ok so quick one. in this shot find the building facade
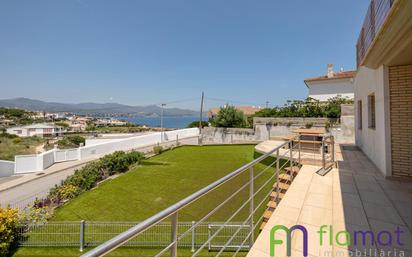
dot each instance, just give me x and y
(383, 87)
(40, 130)
(333, 84)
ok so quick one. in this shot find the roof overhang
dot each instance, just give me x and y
(393, 44)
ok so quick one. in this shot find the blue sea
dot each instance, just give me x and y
(168, 121)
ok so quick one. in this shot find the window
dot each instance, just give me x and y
(360, 114)
(371, 111)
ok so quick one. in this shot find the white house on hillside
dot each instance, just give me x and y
(331, 85)
(40, 130)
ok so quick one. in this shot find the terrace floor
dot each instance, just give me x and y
(353, 197)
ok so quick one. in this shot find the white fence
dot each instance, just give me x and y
(6, 168)
(38, 162)
(136, 142)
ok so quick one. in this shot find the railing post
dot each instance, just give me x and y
(277, 176)
(333, 148)
(373, 19)
(323, 154)
(193, 236)
(173, 250)
(291, 157)
(82, 230)
(251, 205)
(209, 234)
(299, 151)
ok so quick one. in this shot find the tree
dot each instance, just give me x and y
(229, 117)
(195, 124)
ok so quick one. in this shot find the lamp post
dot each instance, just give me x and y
(161, 123)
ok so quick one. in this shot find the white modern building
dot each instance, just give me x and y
(383, 87)
(40, 130)
(331, 85)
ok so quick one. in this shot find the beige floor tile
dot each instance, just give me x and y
(368, 186)
(287, 212)
(408, 222)
(385, 214)
(344, 178)
(375, 197)
(399, 196)
(347, 200)
(346, 188)
(293, 199)
(315, 216)
(257, 253)
(275, 219)
(322, 180)
(352, 215)
(302, 188)
(404, 208)
(320, 189)
(319, 200)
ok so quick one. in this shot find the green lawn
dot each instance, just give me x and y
(160, 182)
(9, 147)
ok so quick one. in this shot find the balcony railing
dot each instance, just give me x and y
(256, 186)
(375, 17)
(251, 207)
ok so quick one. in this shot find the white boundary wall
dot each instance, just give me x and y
(6, 168)
(38, 162)
(136, 142)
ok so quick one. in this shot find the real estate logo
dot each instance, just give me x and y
(274, 241)
(367, 240)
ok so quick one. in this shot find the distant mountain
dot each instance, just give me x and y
(93, 108)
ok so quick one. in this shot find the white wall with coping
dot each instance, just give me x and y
(40, 162)
(374, 142)
(136, 142)
(326, 89)
(6, 168)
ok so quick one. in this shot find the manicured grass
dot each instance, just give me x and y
(155, 185)
(10, 147)
(121, 252)
(162, 181)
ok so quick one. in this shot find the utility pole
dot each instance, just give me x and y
(161, 124)
(200, 121)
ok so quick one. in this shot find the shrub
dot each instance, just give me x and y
(34, 215)
(289, 123)
(71, 142)
(157, 149)
(8, 228)
(76, 140)
(195, 124)
(7, 135)
(229, 117)
(89, 175)
(17, 141)
(309, 125)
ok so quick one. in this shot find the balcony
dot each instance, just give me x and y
(375, 17)
(386, 34)
(352, 197)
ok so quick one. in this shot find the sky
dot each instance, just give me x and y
(141, 52)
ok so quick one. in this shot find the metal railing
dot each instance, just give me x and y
(376, 15)
(273, 165)
(84, 234)
(328, 154)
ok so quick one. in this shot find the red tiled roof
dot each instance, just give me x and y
(336, 75)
